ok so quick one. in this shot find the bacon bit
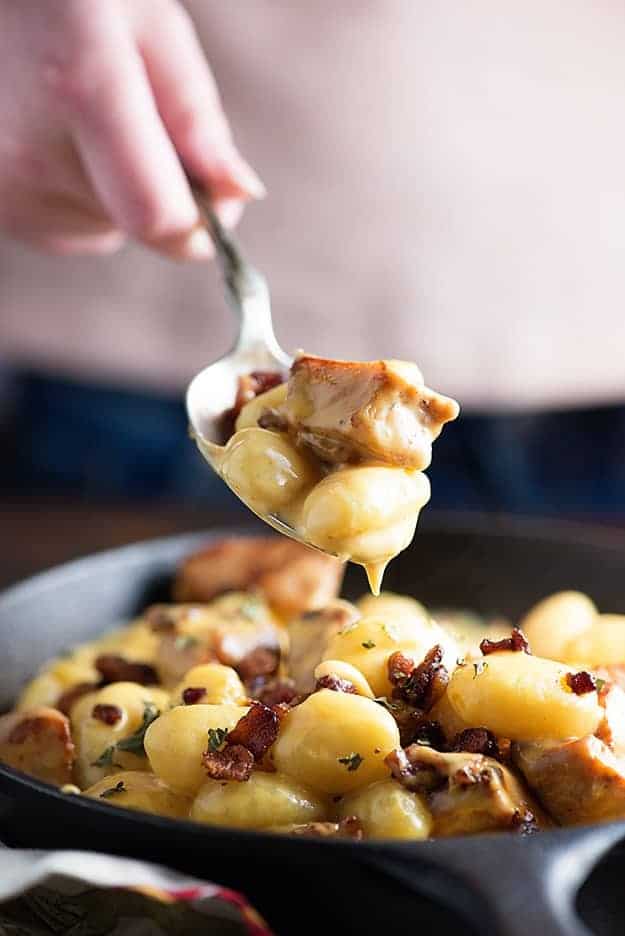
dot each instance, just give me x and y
(109, 714)
(249, 386)
(113, 668)
(580, 683)
(235, 762)
(256, 731)
(67, 699)
(350, 827)
(263, 661)
(335, 684)
(422, 685)
(192, 694)
(278, 692)
(477, 741)
(430, 733)
(524, 823)
(402, 769)
(160, 619)
(517, 642)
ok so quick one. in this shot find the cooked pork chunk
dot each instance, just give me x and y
(37, 741)
(292, 577)
(346, 411)
(577, 781)
(309, 636)
(467, 793)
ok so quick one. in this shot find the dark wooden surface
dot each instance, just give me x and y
(35, 535)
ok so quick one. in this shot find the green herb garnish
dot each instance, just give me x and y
(478, 668)
(216, 737)
(599, 683)
(133, 744)
(114, 790)
(368, 644)
(106, 758)
(352, 761)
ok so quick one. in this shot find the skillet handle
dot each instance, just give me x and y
(502, 883)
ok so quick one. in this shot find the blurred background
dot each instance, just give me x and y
(445, 184)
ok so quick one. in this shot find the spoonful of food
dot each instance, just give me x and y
(334, 455)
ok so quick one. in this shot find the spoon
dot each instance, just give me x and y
(213, 390)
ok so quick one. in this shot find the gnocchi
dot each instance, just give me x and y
(375, 720)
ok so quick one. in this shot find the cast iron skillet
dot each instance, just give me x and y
(498, 883)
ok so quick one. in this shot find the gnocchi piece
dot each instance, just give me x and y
(265, 800)
(342, 670)
(265, 470)
(392, 607)
(46, 688)
(522, 697)
(252, 411)
(368, 643)
(386, 810)
(176, 741)
(335, 742)
(136, 789)
(557, 621)
(601, 644)
(114, 715)
(368, 513)
(221, 685)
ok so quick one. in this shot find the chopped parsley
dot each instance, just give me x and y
(216, 737)
(114, 790)
(133, 744)
(368, 644)
(478, 668)
(461, 661)
(352, 761)
(252, 609)
(106, 758)
(599, 683)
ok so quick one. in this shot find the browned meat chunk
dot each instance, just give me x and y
(346, 411)
(38, 742)
(577, 781)
(249, 386)
(308, 637)
(292, 577)
(467, 793)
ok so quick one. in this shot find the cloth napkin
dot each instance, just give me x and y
(75, 893)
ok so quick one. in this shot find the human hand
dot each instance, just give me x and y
(102, 104)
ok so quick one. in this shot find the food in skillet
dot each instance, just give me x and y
(336, 454)
(287, 709)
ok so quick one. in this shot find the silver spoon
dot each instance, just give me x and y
(213, 390)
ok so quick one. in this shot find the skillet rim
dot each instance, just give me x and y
(469, 522)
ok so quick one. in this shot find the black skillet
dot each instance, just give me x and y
(485, 884)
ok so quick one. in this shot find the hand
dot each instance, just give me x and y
(102, 103)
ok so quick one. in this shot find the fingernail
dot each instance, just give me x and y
(199, 246)
(246, 177)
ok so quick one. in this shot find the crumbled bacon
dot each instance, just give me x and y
(249, 386)
(524, 822)
(477, 741)
(581, 683)
(192, 694)
(113, 668)
(261, 662)
(256, 731)
(160, 619)
(336, 684)
(517, 642)
(66, 700)
(422, 685)
(350, 827)
(234, 762)
(402, 769)
(277, 692)
(430, 733)
(108, 714)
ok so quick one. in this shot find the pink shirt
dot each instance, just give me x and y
(446, 184)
